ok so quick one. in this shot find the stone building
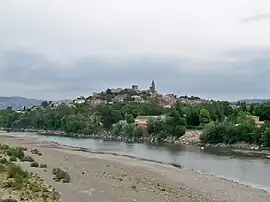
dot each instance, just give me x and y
(135, 87)
(153, 87)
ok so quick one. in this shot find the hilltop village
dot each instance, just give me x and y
(133, 94)
(132, 114)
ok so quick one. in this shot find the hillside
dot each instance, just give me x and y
(249, 101)
(17, 102)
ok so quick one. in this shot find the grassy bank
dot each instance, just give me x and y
(16, 184)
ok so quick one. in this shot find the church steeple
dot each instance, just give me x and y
(153, 87)
(153, 83)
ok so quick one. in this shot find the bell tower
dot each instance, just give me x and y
(153, 87)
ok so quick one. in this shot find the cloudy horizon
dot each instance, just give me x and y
(63, 49)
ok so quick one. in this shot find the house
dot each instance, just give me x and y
(135, 88)
(257, 120)
(137, 98)
(142, 121)
(170, 96)
(191, 102)
(119, 98)
(116, 90)
(96, 101)
(169, 99)
(79, 100)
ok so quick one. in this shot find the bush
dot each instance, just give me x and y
(43, 166)
(22, 148)
(228, 133)
(3, 161)
(15, 171)
(4, 146)
(2, 168)
(35, 151)
(266, 137)
(217, 133)
(8, 200)
(34, 164)
(28, 158)
(61, 175)
(138, 132)
(15, 152)
(13, 158)
(180, 130)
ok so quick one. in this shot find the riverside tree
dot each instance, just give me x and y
(221, 122)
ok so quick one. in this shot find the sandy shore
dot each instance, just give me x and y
(108, 178)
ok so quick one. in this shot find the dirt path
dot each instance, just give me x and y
(108, 178)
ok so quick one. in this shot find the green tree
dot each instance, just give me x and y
(266, 137)
(118, 129)
(74, 123)
(138, 132)
(204, 116)
(155, 126)
(108, 116)
(128, 130)
(129, 118)
(214, 133)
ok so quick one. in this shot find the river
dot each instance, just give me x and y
(251, 171)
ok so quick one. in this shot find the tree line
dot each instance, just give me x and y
(241, 126)
(221, 121)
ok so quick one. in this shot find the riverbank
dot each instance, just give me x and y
(103, 177)
(191, 137)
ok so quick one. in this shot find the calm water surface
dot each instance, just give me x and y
(251, 171)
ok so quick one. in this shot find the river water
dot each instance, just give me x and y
(246, 170)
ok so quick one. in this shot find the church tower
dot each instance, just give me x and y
(153, 87)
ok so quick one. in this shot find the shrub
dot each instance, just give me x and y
(266, 137)
(43, 166)
(35, 151)
(28, 158)
(61, 175)
(217, 133)
(134, 187)
(22, 148)
(15, 152)
(180, 130)
(3, 161)
(15, 171)
(2, 168)
(13, 158)
(55, 170)
(8, 200)
(4, 146)
(34, 164)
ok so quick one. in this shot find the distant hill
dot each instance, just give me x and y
(253, 100)
(18, 102)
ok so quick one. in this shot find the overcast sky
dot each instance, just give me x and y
(63, 49)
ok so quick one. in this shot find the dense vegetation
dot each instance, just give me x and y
(222, 122)
(241, 126)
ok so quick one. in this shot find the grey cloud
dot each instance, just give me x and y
(257, 17)
(222, 79)
(21, 66)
